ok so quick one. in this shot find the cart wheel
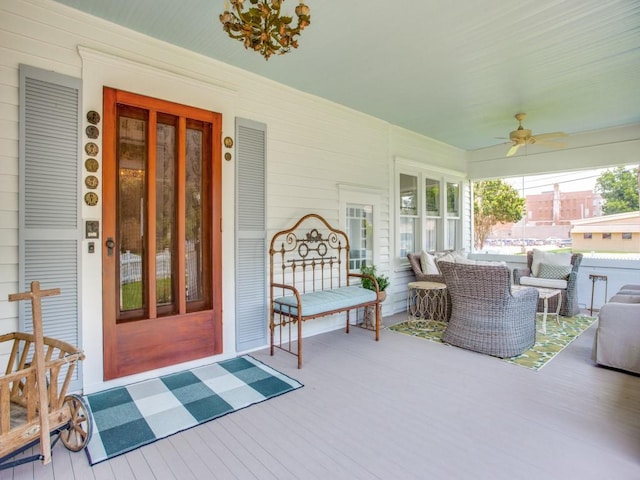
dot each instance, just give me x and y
(79, 429)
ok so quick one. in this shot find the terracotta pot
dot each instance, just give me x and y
(382, 296)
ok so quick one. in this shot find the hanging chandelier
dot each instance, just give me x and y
(261, 27)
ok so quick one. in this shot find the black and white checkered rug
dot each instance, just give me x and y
(125, 418)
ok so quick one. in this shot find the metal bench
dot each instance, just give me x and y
(310, 278)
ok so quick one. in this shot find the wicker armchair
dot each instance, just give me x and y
(486, 316)
(414, 261)
(569, 305)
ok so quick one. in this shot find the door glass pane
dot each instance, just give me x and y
(132, 152)
(360, 233)
(432, 197)
(194, 216)
(165, 210)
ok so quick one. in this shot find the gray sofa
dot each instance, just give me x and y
(617, 341)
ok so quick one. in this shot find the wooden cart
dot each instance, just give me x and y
(28, 414)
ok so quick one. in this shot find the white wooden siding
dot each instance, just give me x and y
(313, 145)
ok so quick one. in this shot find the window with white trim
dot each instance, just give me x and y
(429, 206)
(360, 208)
(360, 234)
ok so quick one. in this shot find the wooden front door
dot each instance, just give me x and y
(161, 233)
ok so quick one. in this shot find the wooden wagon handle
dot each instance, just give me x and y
(36, 308)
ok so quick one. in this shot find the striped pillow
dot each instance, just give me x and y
(559, 272)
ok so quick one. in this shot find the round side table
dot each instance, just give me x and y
(427, 301)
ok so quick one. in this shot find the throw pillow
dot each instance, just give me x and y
(453, 256)
(428, 264)
(540, 256)
(487, 263)
(559, 272)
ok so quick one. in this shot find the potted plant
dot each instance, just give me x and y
(383, 280)
(383, 283)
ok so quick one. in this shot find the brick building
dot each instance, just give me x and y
(560, 208)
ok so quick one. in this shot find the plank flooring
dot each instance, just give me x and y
(402, 408)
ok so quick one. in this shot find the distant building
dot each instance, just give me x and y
(560, 208)
(549, 214)
(609, 233)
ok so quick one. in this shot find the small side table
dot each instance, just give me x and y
(594, 277)
(427, 300)
(545, 294)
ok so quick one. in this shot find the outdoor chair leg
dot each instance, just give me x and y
(299, 343)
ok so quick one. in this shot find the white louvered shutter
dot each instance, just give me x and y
(49, 206)
(251, 248)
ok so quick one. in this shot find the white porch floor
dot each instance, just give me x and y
(402, 408)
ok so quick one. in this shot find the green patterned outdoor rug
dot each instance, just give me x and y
(546, 347)
(129, 417)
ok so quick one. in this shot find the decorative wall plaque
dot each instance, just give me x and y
(91, 181)
(92, 131)
(93, 117)
(91, 148)
(228, 142)
(91, 198)
(91, 164)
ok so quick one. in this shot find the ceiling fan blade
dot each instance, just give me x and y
(512, 151)
(543, 136)
(548, 143)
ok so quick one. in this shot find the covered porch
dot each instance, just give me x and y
(402, 408)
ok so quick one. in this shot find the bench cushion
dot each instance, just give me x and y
(314, 303)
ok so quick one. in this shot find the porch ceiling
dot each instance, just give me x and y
(454, 71)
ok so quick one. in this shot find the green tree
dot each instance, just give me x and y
(494, 202)
(619, 190)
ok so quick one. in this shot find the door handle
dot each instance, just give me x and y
(110, 244)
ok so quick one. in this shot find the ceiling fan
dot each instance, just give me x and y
(522, 136)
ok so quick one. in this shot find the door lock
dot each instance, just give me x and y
(110, 244)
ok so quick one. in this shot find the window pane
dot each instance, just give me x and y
(132, 158)
(430, 234)
(165, 212)
(564, 208)
(453, 199)
(407, 236)
(408, 194)
(452, 234)
(432, 197)
(360, 233)
(194, 216)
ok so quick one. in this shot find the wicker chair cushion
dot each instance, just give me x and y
(317, 302)
(543, 282)
(468, 261)
(559, 272)
(454, 256)
(540, 256)
(428, 264)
